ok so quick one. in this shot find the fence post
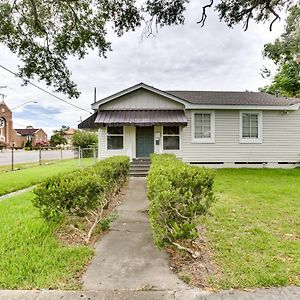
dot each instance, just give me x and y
(61, 153)
(40, 156)
(95, 155)
(12, 156)
(79, 156)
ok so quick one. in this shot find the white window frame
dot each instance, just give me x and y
(257, 140)
(212, 138)
(123, 135)
(179, 135)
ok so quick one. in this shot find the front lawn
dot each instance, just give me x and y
(30, 255)
(16, 180)
(254, 228)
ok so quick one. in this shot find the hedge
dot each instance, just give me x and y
(75, 193)
(179, 194)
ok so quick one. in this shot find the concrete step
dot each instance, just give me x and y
(133, 166)
(138, 173)
(139, 167)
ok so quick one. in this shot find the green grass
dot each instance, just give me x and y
(13, 181)
(30, 256)
(17, 167)
(254, 228)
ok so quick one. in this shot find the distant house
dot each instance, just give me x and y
(68, 136)
(31, 135)
(200, 127)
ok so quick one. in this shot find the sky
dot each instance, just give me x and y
(185, 57)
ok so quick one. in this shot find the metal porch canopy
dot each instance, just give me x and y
(141, 118)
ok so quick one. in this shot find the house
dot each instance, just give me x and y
(69, 135)
(6, 125)
(205, 128)
(28, 136)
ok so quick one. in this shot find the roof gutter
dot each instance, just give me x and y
(293, 107)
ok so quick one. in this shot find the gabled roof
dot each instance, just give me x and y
(135, 88)
(214, 99)
(27, 131)
(233, 98)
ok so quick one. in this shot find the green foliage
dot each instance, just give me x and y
(31, 255)
(2, 145)
(58, 138)
(234, 12)
(285, 53)
(28, 145)
(78, 192)
(178, 195)
(43, 34)
(84, 139)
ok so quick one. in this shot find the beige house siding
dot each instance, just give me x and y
(281, 139)
(128, 143)
(141, 99)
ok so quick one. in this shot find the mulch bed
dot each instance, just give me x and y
(194, 271)
(70, 232)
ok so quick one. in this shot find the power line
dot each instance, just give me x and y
(45, 91)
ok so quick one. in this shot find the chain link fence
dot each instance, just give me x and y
(14, 159)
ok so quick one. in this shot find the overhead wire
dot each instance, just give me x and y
(45, 91)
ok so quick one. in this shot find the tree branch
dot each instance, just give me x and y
(204, 15)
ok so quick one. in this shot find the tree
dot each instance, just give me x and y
(285, 53)
(44, 33)
(84, 139)
(58, 138)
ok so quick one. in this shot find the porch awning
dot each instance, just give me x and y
(141, 118)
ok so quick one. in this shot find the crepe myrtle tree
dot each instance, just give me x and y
(44, 33)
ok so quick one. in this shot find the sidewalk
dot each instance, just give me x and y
(126, 257)
(18, 192)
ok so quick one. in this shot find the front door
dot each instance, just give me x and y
(144, 141)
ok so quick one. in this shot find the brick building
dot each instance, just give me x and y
(6, 125)
(29, 134)
(19, 137)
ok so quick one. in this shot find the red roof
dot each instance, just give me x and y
(70, 131)
(26, 131)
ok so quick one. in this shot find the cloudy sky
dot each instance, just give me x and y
(184, 57)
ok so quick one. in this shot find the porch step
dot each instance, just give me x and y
(139, 167)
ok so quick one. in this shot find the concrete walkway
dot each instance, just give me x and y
(126, 257)
(127, 266)
(18, 192)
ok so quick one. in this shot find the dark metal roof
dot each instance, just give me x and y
(26, 131)
(141, 117)
(233, 98)
(89, 123)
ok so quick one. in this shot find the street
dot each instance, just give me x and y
(21, 156)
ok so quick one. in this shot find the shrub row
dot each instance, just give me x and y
(178, 195)
(75, 193)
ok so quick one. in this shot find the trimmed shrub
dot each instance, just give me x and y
(179, 194)
(75, 193)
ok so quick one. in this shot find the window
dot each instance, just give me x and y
(250, 127)
(203, 127)
(115, 138)
(171, 138)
